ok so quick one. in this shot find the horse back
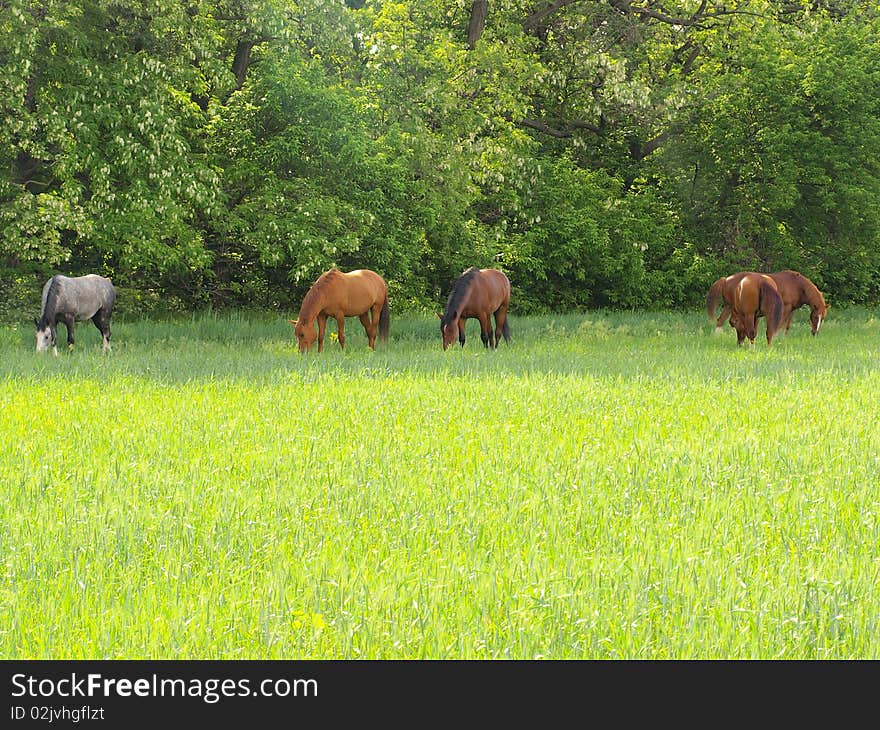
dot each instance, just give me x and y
(790, 285)
(748, 290)
(81, 296)
(496, 286)
(730, 283)
(796, 290)
(359, 290)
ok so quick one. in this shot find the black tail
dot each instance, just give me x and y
(772, 306)
(384, 321)
(505, 330)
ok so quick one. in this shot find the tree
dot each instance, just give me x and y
(106, 168)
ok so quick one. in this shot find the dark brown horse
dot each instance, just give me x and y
(361, 293)
(478, 294)
(752, 296)
(794, 288)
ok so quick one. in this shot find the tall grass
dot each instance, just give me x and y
(609, 485)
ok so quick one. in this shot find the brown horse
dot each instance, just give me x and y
(794, 288)
(797, 290)
(755, 295)
(336, 294)
(478, 294)
(722, 291)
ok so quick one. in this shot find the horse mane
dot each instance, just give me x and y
(813, 294)
(457, 295)
(314, 294)
(50, 304)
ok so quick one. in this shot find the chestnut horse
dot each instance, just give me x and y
(794, 288)
(752, 296)
(478, 294)
(336, 294)
(797, 290)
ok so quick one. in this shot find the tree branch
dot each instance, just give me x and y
(531, 21)
(626, 7)
(546, 129)
(564, 133)
(640, 151)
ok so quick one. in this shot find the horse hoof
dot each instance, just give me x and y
(718, 330)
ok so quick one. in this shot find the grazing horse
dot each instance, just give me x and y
(361, 293)
(797, 290)
(722, 291)
(478, 294)
(794, 288)
(754, 295)
(74, 299)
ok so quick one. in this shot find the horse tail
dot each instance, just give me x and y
(772, 306)
(713, 297)
(384, 320)
(505, 330)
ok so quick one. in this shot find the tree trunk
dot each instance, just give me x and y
(241, 62)
(479, 10)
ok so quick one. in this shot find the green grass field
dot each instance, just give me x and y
(610, 485)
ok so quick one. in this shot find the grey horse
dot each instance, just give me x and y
(68, 299)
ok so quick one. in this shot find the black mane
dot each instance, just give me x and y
(459, 289)
(51, 304)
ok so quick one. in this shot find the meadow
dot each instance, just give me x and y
(610, 485)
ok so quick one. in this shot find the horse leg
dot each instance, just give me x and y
(786, 318)
(376, 314)
(70, 323)
(500, 319)
(485, 330)
(369, 328)
(725, 313)
(322, 326)
(461, 323)
(340, 330)
(102, 322)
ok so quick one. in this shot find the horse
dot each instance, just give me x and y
(794, 288)
(478, 294)
(797, 290)
(72, 299)
(361, 293)
(722, 291)
(755, 295)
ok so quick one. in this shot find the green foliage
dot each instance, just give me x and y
(775, 168)
(310, 188)
(605, 154)
(104, 155)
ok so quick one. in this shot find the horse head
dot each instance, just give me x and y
(46, 334)
(305, 335)
(448, 330)
(817, 315)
